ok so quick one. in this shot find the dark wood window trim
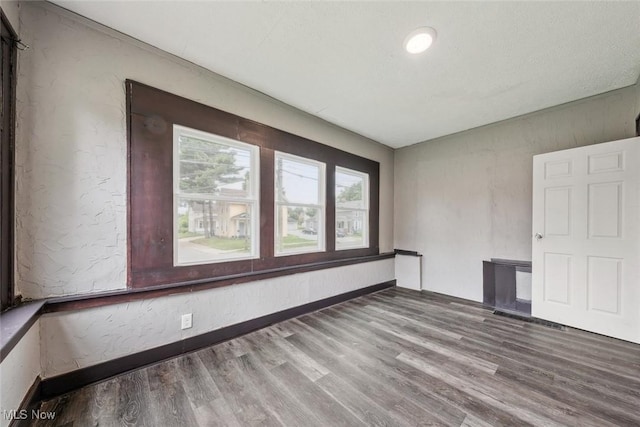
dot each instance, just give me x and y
(8, 53)
(151, 114)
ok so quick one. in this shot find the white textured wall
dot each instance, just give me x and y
(71, 146)
(466, 198)
(408, 272)
(11, 10)
(72, 340)
(18, 371)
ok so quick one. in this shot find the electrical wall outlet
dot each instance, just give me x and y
(187, 321)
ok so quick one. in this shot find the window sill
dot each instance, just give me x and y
(76, 302)
(15, 323)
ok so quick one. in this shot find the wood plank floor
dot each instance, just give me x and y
(394, 358)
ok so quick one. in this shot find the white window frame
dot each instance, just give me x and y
(364, 210)
(252, 199)
(278, 204)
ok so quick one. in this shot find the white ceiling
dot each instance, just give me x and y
(344, 62)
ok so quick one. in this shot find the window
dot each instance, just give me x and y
(7, 136)
(215, 198)
(352, 209)
(300, 204)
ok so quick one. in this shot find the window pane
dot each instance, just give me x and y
(297, 229)
(209, 167)
(297, 181)
(350, 189)
(351, 228)
(212, 230)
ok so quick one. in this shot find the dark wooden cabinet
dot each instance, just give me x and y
(500, 286)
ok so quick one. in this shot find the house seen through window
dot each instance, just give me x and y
(215, 198)
(300, 204)
(352, 209)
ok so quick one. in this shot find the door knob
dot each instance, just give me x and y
(538, 236)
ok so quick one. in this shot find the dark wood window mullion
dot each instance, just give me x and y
(330, 205)
(267, 203)
(374, 209)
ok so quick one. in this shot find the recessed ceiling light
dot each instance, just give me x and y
(419, 40)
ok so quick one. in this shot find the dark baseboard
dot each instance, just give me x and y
(30, 401)
(61, 384)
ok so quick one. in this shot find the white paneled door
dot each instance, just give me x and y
(586, 238)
